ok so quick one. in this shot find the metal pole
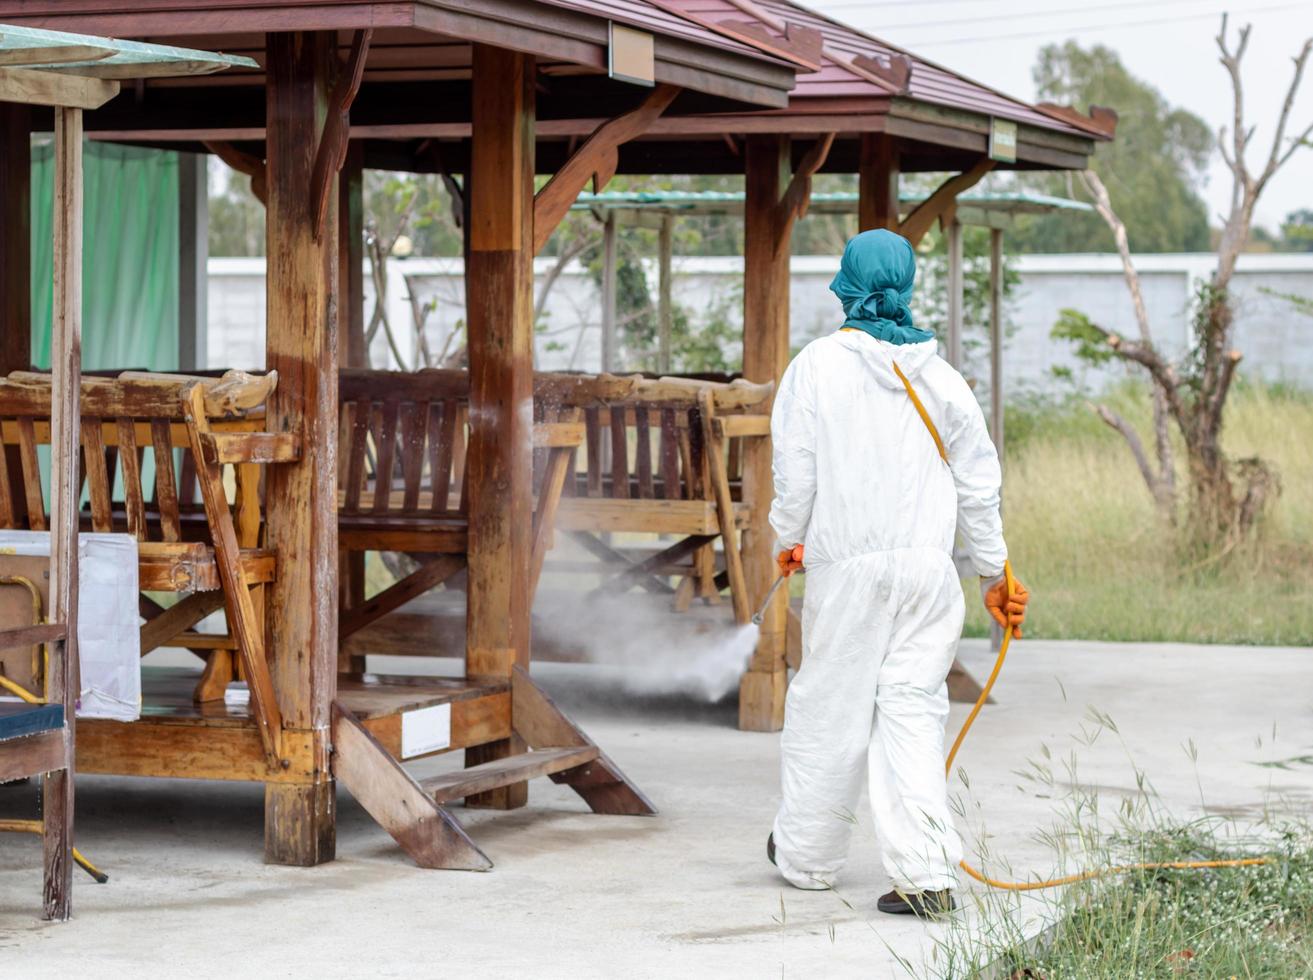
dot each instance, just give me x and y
(665, 312)
(996, 368)
(193, 253)
(955, 294)
(608, 293)
(996, 337)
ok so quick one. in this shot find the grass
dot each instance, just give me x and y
(1100, 565)
(1228, 922)
(1251, 922)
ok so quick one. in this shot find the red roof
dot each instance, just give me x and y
(660, 19)
(839, 77)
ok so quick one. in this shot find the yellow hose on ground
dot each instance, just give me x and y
(1029, 886)
(35, 827)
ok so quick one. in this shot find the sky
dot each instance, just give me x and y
(1168, 43)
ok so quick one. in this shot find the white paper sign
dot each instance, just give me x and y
(425, 730)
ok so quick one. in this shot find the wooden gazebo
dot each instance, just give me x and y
(492, 67)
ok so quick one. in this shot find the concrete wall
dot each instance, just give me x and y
(1273, 336)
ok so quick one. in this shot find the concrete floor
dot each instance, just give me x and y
(685, 894)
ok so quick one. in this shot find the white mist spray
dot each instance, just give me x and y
(656, 650)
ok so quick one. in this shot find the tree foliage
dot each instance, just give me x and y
(1151, 169)
(236, 217)
(1297, 231)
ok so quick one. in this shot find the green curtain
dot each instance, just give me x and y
(129, 256)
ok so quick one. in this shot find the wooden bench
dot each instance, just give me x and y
(663, 457)
(209, 552)
(402, 483)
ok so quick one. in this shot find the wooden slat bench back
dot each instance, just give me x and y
(208, 549)
(663, 456)
(402, 484)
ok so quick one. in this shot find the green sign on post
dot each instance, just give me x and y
(1002, 140)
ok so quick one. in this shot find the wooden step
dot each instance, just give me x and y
(503, 772)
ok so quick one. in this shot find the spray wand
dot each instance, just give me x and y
(759, 616)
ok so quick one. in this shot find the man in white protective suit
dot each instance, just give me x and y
(881, 456)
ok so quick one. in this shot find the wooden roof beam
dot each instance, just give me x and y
(797, 196)
(802, 45)
(938, 204)
(597, 160)
(34, 87)
(331, 152)
(895, 73)
(1101, 121)
(243, 163)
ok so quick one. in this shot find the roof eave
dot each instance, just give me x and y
(582, 39)
(559, 33)
(1036, 145)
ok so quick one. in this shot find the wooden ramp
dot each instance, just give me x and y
(415, 812)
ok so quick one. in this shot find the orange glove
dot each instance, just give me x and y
(1007, 609)
(789, 560)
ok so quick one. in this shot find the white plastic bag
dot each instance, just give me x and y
(109, 626)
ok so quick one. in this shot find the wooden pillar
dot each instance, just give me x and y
(300, 497)
(877, 182)
(956, 298)
(193, 259)
(608, 293)
(665, 308)
(66, 369)
(15, 262)
(765, 356)
(499, 314)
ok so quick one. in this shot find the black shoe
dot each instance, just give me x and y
(770, 847)
(924, 905)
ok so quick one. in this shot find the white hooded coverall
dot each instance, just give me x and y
(859, 482)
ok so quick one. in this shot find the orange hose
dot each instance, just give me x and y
(1028, 886)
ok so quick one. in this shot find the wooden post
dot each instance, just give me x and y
(608, 293)
(300, 497)
(953, 342)
(765, 356)
(499, 314)
(193, 255)
(66, 370)
(665, 309)
(877, 182)
(15, 262)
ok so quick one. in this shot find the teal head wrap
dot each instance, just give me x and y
(874, 284)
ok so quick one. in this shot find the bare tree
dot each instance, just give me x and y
(1227, 495)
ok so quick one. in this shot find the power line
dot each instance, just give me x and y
(1060, 12)
(1115, 25)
